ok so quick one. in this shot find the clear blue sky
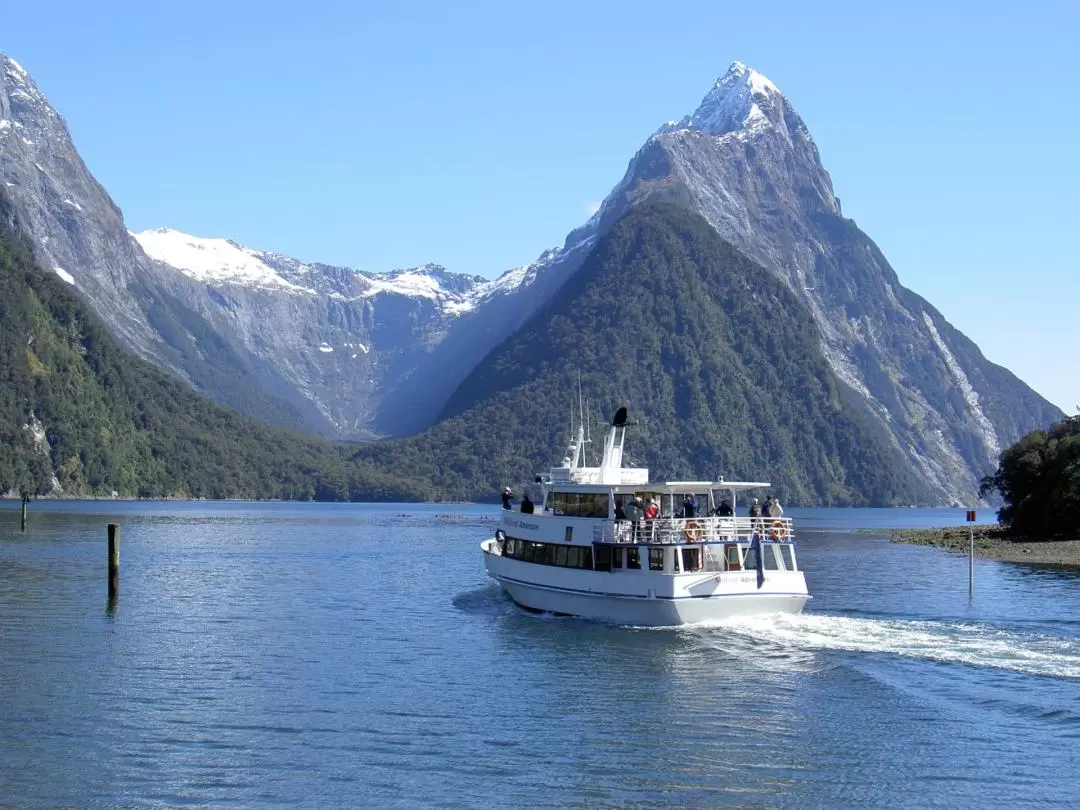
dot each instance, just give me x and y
(476, 135)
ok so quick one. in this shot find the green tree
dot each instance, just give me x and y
(1039, 481)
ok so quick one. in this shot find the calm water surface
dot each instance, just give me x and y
(284, 655)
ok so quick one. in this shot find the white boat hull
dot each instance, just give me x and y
(588, 594)
(657, 612)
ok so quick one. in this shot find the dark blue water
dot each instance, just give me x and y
(350, 655)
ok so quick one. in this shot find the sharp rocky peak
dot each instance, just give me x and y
(16, 84)
(741, 101)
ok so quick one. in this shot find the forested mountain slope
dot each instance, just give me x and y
(79, 416)
(719, 361)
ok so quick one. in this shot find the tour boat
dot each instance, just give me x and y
(573, 556)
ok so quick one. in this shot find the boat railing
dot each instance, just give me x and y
(681, 531)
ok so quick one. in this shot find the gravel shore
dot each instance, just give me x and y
(993, 543)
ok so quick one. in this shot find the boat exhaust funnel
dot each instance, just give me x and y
(611, 465)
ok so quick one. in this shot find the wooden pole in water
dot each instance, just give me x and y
(25, 501)
(114, 561)
(971, 552)
(971, 562)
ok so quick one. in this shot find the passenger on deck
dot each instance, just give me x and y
(766, 508)
(756, 524)
(652, 511)
(724, 509)
(506, 496)
(777, 510)
(689, 506)
(620, 513)
(526, 504)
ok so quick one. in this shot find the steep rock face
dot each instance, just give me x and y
(745, 161)
(78, 233)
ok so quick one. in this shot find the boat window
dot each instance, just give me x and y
(633, 558)
(770, 559)
(787, 554)
(603, 557)
(549, 553)
(580, 504)
(616, 557)
(656, 559)
(691, 559)
(750, 560)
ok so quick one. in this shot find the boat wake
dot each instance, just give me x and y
(974, 644)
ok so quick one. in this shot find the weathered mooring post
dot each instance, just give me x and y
(971, 553)
(114, 561)
(25, 501)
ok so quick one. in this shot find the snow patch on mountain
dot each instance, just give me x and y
(19, 69)
(986, 427)
(212, 260)
(412, 283)
(65, 275)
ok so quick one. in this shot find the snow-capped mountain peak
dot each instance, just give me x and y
(742, 101)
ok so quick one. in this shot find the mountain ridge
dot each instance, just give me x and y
(348, 364)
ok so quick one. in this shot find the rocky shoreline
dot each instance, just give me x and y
(994, 543)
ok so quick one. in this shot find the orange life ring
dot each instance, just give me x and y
(778, 530)
(693, 531)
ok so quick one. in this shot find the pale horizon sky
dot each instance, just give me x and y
(478, 135)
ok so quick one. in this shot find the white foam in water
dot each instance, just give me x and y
(973, 644)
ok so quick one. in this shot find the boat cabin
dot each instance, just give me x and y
(612, 518)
